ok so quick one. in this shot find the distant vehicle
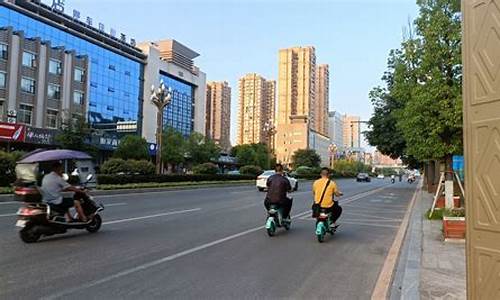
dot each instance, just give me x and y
(262, 180)
(363, 177)
(235, 172)
(380, 176)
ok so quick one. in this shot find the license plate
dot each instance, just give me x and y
(21, 223)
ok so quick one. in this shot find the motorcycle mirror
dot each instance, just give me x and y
(89, 177)
(65, 177)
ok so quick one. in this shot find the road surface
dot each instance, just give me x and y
(208, 244)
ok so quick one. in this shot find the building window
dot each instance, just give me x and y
(54, 91)
(55, 67)
(3, 80)
(24, 114)
(28, 85)
(51, 119)
(79, 75)
(29, 59)
(78, 97)
(4, 51)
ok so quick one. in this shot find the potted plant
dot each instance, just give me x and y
(454, 224)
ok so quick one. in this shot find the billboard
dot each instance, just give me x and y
(12, 132)
(40, 136)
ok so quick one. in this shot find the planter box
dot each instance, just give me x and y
(454, 227)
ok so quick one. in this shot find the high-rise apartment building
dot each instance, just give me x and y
(218, 116)
(256, 108)
(297, 121)
(321, 102)
(352, 134)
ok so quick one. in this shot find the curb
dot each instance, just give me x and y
(386, 275)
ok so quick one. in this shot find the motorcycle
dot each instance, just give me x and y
(275, 219)
(411, 179)
(36, 218)
(324, 225)
(393, 180)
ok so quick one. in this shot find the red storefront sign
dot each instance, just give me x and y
(12, 132)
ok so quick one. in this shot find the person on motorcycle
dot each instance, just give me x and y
(53, 185)
(328, 203)
(277, 187)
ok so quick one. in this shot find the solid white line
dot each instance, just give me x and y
(114, 204)
(175, 256)
(368, 224)
(368, 216)
(9, 202)
(151, 216)
(8, 215)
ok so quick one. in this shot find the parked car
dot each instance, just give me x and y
(363, 177)
(380, 176)
(261, 182)
(235, 172)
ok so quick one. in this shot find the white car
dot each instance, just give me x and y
(380, 176)
(262, 180)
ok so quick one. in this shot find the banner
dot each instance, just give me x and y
(40, 136)
(12, 132)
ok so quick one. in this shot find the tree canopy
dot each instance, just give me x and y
(252, 154)
(132, 147)
(201, 149)
(306, 158)
(418, 114)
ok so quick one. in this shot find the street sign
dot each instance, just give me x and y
(40, 136)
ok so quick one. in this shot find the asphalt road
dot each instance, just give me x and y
(209, 244)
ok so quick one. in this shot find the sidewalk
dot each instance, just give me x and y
(428, 268)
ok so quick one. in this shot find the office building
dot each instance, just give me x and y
(322, 99)
(336, 130)
(218, 117)
(256, 108)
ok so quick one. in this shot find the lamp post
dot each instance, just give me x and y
(161, 97)
(333, 152)
(270, 131)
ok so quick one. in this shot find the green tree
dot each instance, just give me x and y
(132, 147)
(74, 135)
(201, 149)
(252, 154)
(173, 148)
(306, 157)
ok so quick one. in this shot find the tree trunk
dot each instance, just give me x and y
(448, 185)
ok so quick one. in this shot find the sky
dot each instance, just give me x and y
(235, 37)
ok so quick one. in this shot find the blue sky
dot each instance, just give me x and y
(235, 37)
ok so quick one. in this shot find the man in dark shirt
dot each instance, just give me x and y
(277, 188)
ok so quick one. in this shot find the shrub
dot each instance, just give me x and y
(128, 178)
(206, 168)
(250, 170)
(114, 166)
(8, 167)
(141, 166)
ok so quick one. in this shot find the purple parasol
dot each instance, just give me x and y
(53, 155)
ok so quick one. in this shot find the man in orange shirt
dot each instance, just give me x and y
(328, 202)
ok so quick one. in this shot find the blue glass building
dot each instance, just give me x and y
(180, 113)
(116, 69)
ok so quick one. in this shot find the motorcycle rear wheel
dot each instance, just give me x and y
(95, 225)
(28, 235)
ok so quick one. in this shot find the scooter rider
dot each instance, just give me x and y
(53, 185)
(328, 203)
(277, 187)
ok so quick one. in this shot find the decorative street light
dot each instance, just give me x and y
(270, 131)
(161, 97)
(332, 149)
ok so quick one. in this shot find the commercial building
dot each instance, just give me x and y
(257, 98)
(56, 66)
(172, 62)
(322, 99)
(297, 118)
(218, 118)
(336, 130)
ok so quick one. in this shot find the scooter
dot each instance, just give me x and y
(37, 219)
(324, 225)
(275, 219)
(393, 180)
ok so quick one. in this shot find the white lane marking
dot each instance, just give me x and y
(371, 220)
(125, 194)
(366, 215)
(9, 202)
(151, 216)
(114, 204)
(177, 255)
(368, 224)
(8, 215)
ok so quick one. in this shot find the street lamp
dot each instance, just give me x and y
(270, 131)
(161, 97)
(333, 152)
